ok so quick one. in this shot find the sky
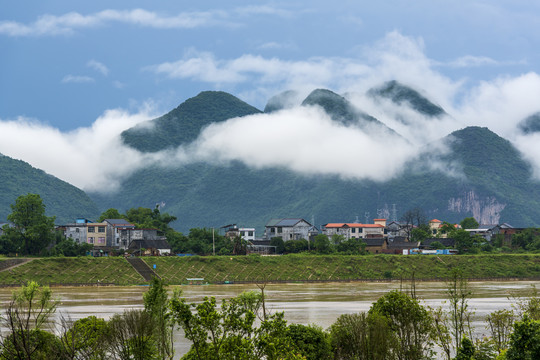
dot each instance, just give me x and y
(74, 75)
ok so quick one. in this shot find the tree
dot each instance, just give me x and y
(413, 218)
(85, 339)
(131, 336)
(525, 340)
(311, 341)
(469, 223)
(362, 336)
(321, 244)
(420, 233)
(409, 321)
(229, 331)
(32, 231)
(26, 316)
(278, 243)
(110, 214)
(156, 301)
(500, 326)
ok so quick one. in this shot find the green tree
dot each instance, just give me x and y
(321, 244)
(500, 326)
(311, 341)
(421, 233)
(131, 336)
(410, 322)
(469, 223)
(156, 302)
(32, 231)
(278, 243)
(362, 336)
(525, 340)
(85, 339)
(229, 331)
(25, 318)
(110, 214)
(466, 350)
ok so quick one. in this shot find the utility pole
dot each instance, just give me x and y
(213, 243)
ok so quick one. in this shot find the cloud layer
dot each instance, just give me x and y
(302, 139)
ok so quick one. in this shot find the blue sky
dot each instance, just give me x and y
(74, 75)
(64, 62)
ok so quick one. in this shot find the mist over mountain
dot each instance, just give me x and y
(471, 172)
(217, 160)
(399, 94)
(183, 124)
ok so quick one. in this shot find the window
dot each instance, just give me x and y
(91, 229)
(90, 240)
(353, 230)
(101, 240)
(279, 230)
(76, 229)
(272, 230)
(243, 233)
(101, 229)
(250, 233)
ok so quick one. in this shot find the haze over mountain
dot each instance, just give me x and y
(471, 172)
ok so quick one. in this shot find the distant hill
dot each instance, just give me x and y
(61, 199)
(481, 175)
(183, 124)
(531, 124)
(399, 94)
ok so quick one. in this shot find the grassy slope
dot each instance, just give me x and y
(292, 268)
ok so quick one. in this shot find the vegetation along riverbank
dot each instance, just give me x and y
(255, 268)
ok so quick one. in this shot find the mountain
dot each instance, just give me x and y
(531, 124)
(61, 199)
(284, 100)
(400, 94)
(480, 174)
(183, 124)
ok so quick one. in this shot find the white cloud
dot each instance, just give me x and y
(50, 25)
(78, 79)
(92, 158)
(98, 66)
(300, 139)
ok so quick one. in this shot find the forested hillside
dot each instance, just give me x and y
(61, 199)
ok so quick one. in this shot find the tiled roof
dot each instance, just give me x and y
(354, 225)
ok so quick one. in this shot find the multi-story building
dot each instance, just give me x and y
(289, 229)
(354, 230)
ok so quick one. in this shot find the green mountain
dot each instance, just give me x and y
(339, 108)
(284, 100)
(480, 175)
(399, 94)
(61, 199)
(183, 124)
(531, 124)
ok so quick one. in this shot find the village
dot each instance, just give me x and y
(379, 237)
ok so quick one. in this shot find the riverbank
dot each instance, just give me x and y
(287, 268)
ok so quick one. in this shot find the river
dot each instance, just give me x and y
(303, 303)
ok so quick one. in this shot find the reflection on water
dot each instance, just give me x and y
(318, 303)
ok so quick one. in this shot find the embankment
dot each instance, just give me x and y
(288, 268)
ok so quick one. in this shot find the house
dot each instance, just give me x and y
(396, 229)
(487, 231)
(145, 247)
(354, 230)
(289, 229)
(376, 245)
(96, 234)
(232, 231)
(117, 232)
(446, 242)
(434, 226)
(397, 247)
